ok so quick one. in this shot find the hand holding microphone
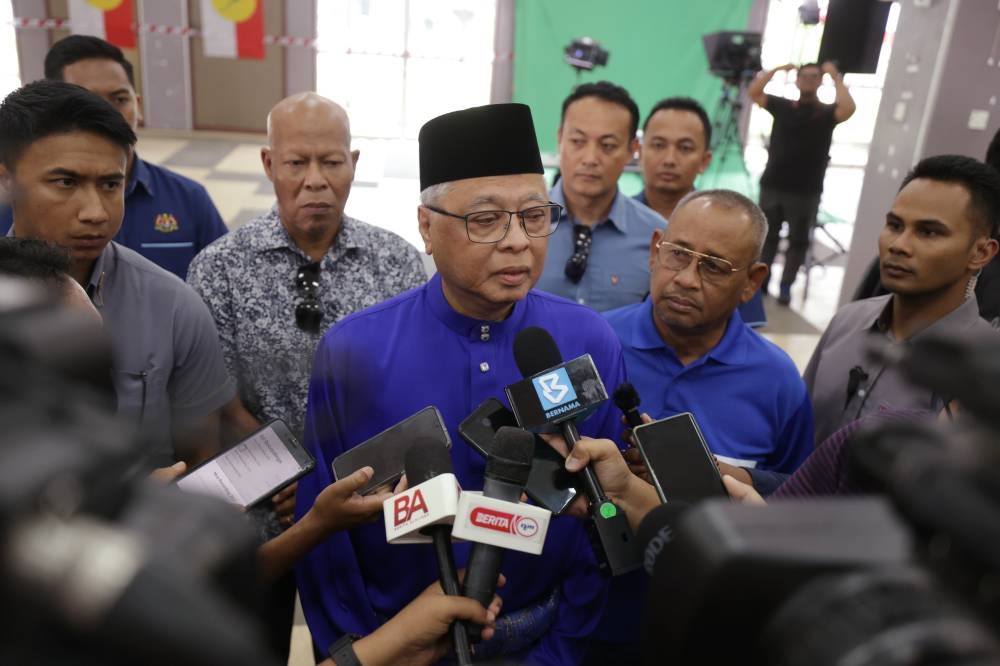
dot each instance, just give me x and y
(557, 393)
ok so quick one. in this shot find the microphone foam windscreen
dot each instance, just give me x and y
(425, 459)
(512, 455)
(658, 529)
(626, 397)
(535, 351)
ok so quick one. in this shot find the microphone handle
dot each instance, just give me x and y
(449, 583)
(591, 486)
(632, 417)
(485, 560)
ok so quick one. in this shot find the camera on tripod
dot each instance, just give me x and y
(733, 56)
(584, 53)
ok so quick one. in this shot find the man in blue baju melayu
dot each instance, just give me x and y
(484, 218)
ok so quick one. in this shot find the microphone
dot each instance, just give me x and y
(855, 376)
(627, 400)
(507, 471)
(658, 529)
(424, 461)
(561, 392)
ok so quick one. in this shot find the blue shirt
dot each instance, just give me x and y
(168, 218)
(752, 312)
(618, 265)
(746, 393)
(378, 366)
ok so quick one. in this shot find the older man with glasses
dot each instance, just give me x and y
(485, 218)
(687, 350)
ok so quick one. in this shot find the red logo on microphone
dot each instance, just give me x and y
(405, 506)
(501, 521)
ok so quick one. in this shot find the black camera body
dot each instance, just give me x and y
(585, 54)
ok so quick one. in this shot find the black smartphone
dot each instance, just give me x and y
(386, 451)
(549, 484)
(253, 470)
(678, 459)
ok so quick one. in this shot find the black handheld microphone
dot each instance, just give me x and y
(627, 399)
(539, 360)
(507, 471)
(426, 459)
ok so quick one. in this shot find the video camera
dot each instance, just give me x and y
(97, 564)
(909, 578)
(733, 56)
(585, 54)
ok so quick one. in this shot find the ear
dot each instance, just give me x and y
(983, 251)
(265, 159)
(757, 273)
(633, 146)
(355, 154)
(653, 251)
(424, 224)
(138, 109)
(705, 162)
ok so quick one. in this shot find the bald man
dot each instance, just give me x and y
(277, 283)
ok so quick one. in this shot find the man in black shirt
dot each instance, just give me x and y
(792, 182)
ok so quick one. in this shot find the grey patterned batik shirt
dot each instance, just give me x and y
(247, 279)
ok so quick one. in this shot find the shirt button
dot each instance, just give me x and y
(484, 333)
(484, 367)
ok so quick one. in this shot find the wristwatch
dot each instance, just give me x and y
(342, 651)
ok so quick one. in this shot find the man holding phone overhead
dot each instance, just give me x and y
(485, 218)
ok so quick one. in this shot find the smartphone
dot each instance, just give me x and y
(385, 451)
(252, 470)
(678, 459)
(549, 484)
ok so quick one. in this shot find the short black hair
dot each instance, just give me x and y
(980, 180)
(45, 108)
(993, 151)
(809, 64)
(688, 104)
(74, 48)
(34, 260)
(609, 92)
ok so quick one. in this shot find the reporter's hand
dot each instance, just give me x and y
(419, 634)
(284, 504)
(632, 494)
(738, 473)
(788, 67)
(636, 463)
(830, 68)
(340, 507)
(165, 475)
(741, 492)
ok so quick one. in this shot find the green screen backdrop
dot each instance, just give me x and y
(655, 48)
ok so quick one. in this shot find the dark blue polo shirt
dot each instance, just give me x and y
(169, 218)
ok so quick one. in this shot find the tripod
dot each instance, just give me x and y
(726, 125)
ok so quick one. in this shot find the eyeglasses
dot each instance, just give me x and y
(711, 269)
(491, 226)
(308, 312)
(576, 265)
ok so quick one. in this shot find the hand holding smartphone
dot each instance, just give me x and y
(677, 457)
(252, 470)
(386, 451)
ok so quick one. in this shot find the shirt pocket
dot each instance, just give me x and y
(141, 394)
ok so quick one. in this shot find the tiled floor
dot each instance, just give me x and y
(386, 192)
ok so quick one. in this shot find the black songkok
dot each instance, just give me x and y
(492, 140)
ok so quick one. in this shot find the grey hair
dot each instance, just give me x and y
(730, 199)
(431, 195)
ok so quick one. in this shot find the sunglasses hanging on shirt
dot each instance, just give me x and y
(576, 265)
(308, 313)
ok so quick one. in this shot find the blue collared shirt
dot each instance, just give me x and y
(169, 218)
(378, 366)
(752, 312)
(618, 266)
(746, 394)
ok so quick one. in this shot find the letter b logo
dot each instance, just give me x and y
(554, 389)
